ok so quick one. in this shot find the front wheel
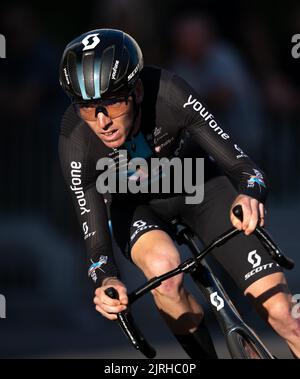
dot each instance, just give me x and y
(243, 345)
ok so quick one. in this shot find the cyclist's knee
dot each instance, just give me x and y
(159, 264)
(171, 288)
(156, 258)
(155, 253)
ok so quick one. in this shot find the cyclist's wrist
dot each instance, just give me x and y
(106, 280)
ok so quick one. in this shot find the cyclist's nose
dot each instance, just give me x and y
(104, 120)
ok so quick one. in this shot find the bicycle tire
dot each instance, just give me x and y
(242, 345)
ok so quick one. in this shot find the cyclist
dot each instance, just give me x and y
(119, 105)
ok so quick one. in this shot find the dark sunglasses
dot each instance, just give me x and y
(112, 108)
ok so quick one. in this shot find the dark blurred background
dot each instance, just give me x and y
(236, 54)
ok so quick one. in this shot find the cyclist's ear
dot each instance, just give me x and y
(139, 91)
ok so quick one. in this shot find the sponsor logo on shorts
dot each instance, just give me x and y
(141, 226)
(255, 260)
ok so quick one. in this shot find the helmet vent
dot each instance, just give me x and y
(71, 64)
(88, 73)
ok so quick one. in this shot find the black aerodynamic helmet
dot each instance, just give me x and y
(100, 64)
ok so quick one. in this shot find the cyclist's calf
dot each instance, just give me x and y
(281, 319)
(272, 299)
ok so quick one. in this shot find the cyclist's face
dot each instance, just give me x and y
(110, 121)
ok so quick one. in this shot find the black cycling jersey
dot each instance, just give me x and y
(174, 123)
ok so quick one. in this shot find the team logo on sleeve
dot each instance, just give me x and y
(77, 187)
(97, 266)
(256, 179)
(206, 115)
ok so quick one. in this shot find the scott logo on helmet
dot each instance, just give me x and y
(135, 71)
(86, 41)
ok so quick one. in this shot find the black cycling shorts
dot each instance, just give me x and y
(243, 257)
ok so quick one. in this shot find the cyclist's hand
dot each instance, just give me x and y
(253, 214)
(107, 306)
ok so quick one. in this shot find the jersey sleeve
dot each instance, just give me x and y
(91, 211)
(192, 113)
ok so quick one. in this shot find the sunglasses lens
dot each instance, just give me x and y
(87, 113)
(117, 109)
(110, 109)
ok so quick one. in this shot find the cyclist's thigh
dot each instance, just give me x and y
(130, 222)
(244, 257)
